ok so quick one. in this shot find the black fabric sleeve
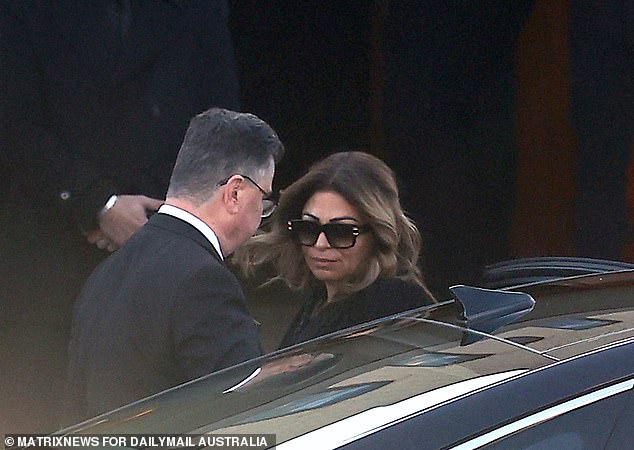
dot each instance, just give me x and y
(39, 163)
(387, 296)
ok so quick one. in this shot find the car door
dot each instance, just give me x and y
(584, 402)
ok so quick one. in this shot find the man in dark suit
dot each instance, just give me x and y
(164, 309)
(95, 98)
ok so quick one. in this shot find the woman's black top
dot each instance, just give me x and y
(384, 297)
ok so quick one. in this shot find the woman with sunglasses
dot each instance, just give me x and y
(340, 234)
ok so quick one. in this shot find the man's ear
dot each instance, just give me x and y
(231, 195)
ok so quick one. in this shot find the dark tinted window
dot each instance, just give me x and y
(588, 427)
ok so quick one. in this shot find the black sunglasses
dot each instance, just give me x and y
(269, 200)
(339, 235)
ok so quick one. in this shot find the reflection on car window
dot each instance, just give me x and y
(286, 371)
(525, 340)
(316, 400)
(435, 359)
(572, 323)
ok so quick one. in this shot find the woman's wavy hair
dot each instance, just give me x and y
(368, 184)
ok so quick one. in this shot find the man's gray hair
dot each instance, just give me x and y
(220, 143)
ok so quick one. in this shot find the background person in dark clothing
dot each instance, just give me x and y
(95, 99)
(164, 309)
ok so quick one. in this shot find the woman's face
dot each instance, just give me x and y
(335, 265)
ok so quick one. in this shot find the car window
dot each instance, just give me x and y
(374, 377)
(410, 361)
(621, 436)
(584, 422)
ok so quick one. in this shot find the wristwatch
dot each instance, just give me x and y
(109, 205)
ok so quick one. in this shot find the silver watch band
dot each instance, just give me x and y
(109, 205)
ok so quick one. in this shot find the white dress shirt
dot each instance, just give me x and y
(194, 222)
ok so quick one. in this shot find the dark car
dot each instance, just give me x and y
(546, 365)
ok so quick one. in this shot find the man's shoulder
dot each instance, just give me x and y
(155, 257)
(165, 236)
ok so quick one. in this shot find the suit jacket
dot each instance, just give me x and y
(96, 96)
(384, 297)
(160, 311)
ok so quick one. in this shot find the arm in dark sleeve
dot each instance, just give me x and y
(39, 162)
(212, 327)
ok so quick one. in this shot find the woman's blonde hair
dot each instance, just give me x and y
(368, 184)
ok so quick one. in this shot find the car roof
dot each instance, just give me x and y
(576, 315)
(416, 360)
